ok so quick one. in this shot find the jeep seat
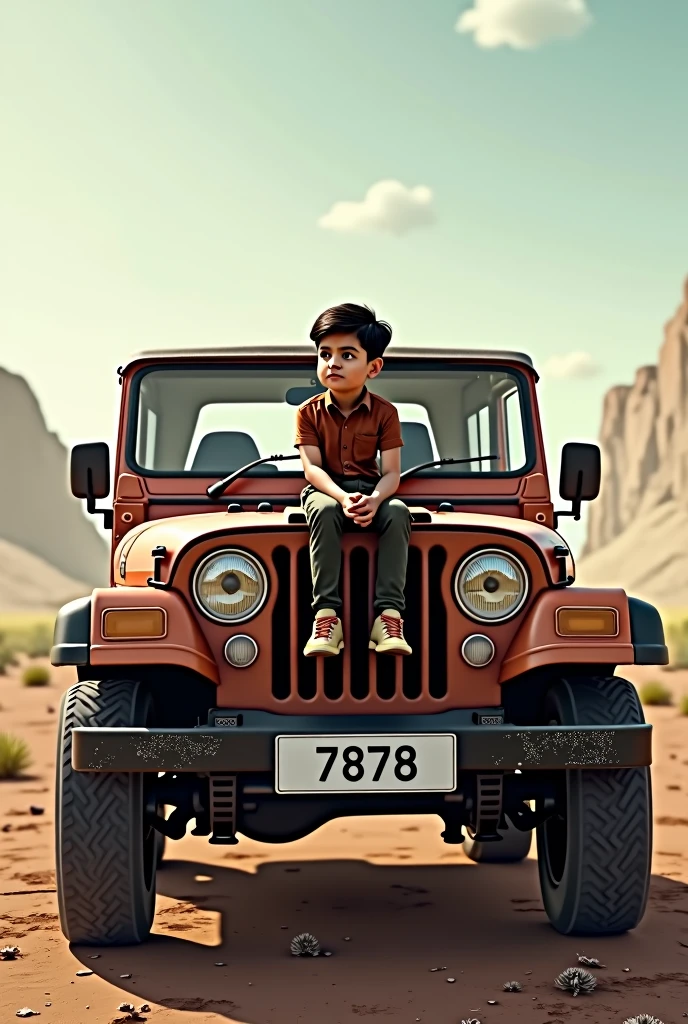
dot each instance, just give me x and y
(223, 451)
(417, 445)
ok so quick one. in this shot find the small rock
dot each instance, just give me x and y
(626, 969)
(10, 952)
(492, 1002)
(220, 964)
(126, 1007)
(347, 938)
(6, 828)
(94, 956)
(47, 1004)
(36, 810)
(590, 961)
(284, 927)
(144, 1008)
(83, 974)
(125, 975)
(451, 979)
(26, 1011)
(327, 953)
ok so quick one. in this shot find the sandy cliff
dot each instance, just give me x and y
(638, 527)
(37, 511)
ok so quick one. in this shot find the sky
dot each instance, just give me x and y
(484, 173)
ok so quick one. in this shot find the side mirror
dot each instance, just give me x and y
(580, 477)
(90, 477)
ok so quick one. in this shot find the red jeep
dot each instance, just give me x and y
(194, 695)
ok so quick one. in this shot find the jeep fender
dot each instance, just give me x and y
(72, 633)
(639, 639)
(79, 633)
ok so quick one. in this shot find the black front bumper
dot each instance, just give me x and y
(249, 745)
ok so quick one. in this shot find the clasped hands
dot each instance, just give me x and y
(360, 507)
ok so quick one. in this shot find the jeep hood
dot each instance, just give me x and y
(134, 563)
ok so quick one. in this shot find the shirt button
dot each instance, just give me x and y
(345, 447)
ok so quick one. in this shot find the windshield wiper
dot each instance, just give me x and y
(442, 462)
(216, 490)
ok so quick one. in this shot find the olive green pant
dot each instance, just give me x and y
(327, 521)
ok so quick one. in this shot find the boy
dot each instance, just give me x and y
(338, 434)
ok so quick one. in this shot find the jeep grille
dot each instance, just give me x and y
(377, 681)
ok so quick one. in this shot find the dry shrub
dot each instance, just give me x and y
(35, 675)
(656, 693)
(14, 756)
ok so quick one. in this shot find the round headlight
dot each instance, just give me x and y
(230, 585)
(241, 651)
(491, 586)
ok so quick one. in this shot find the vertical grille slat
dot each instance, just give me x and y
(412, 624)
(385, 665)
(358, 622)
(372, 656)
(284, 664)
(437, 639)
(305, 683)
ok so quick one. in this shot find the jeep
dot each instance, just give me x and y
(195, 705)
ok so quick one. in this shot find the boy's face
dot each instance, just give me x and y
(343, 364)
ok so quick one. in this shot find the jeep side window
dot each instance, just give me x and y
(478, 436)
(148, 423)
(513, 424)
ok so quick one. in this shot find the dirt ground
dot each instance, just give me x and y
(384, 895)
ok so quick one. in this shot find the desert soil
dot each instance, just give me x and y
(384, 895)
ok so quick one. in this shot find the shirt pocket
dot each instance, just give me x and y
(365, 447)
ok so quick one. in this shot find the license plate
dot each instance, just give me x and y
(392, 763)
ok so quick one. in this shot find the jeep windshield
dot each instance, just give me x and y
(209, 420)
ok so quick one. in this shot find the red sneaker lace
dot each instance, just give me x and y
(324, 625)
(393, 626)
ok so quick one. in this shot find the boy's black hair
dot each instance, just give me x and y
(348, 318)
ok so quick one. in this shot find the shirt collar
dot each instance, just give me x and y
(363, 399)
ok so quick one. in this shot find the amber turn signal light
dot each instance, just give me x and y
(133, 623)
(587, 622)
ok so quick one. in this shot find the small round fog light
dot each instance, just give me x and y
(241, 651)
(478, 650)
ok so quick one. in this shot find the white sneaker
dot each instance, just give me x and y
(387, 634)
(327, 637)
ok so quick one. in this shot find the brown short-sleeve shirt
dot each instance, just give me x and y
(349, 444)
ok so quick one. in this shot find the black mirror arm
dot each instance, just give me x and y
(575, 510)
(107, 513)
(218, 489)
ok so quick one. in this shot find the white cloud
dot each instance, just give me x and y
(523, 24)
(571, 365)
(388, 206)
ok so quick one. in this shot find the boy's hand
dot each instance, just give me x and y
(347, 501)
(363, 511)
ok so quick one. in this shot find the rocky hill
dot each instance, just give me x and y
(29, 583)
(638, 527)
(38, 514)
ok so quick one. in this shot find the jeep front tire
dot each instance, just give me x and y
(594, 855)
(105, 852)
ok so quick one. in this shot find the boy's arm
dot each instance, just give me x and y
(390, 466)
(311, 460)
